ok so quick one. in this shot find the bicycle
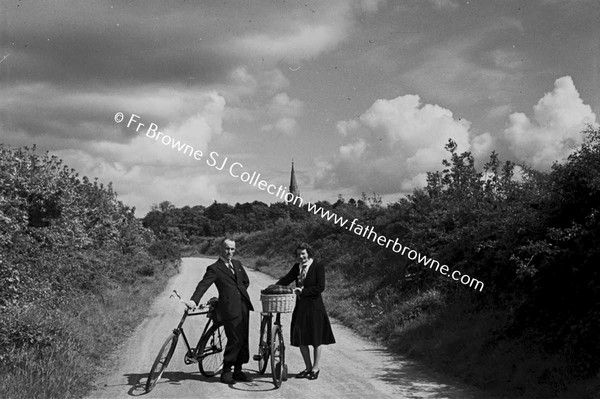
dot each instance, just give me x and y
(208, 353)
(271, 346)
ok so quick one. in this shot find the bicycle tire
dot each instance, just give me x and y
(277, 357)
(264, 346)
(162, 361)
(211, 349)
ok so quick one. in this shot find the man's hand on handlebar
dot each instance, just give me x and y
(191, 304)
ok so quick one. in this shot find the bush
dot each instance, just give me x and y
(164, 250)
(260, 263)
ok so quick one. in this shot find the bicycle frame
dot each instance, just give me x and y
(192, 352)
(199, 354)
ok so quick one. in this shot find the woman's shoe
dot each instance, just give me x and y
(314, 375)
(303, 374)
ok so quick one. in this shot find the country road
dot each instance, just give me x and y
(352, 368)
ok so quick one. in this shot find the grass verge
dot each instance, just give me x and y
(86, 331)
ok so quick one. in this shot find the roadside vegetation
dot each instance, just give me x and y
(530, 236)
(77, 271)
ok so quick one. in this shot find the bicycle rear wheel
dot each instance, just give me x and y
(162, 361)
(277, 357)
(211, 349)
(264, 346)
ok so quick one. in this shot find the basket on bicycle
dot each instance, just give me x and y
(277, 298)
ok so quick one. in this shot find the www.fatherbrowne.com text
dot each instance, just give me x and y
(253, 178)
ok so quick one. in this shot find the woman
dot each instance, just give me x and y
(310, 323)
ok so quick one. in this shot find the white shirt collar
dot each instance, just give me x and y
(226, 261)
(308, 263)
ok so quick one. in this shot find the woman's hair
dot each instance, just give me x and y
(303, 245)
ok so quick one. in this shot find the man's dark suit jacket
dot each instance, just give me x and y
(232, 291)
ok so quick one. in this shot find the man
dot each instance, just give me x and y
(233, 309)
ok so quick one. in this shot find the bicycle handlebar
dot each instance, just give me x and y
(201, 306)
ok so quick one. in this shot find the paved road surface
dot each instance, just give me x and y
(351, 368)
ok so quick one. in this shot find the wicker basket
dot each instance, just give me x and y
(280, 303)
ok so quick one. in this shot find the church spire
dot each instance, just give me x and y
(293, 185)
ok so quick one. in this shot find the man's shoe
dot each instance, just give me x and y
(227, 377)
(241, 376)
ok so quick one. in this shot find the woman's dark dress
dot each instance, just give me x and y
(310, 323)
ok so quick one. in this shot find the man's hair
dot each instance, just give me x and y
(309, 250)
(222, 243)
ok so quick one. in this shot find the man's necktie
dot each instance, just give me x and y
(230, 266)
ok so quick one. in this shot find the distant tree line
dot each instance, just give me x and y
(187, 224)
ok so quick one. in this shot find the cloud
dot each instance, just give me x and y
(450, 74)
(315, 29)
(285, 110)
(43, 112)
(371, 6)
(472, 69)
(392, 145)
(282, 104)
(96, 43)
(304, 42)
(273, 81)
(80, 128)
(445, 4)
(145, 184)
(287, 126)
(555, 128)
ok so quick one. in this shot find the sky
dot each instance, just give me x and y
(362, 95)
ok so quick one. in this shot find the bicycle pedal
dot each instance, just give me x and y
(189, 360)
(257, 357)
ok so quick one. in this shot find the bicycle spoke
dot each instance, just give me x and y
(161, 362)
(211, 350)
(264, 345)
(277, 357)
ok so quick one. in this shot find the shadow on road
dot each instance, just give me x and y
(416, 378)
(137, 382)
(260, 383)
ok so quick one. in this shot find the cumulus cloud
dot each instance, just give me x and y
(392, 146)
(554, 129)
(287, 126)
(284, 110)
(282, 104)
(483, 145)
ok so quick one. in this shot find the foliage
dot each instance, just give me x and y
(188, 224)
(64, 241)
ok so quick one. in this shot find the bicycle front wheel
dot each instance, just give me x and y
(277, 357)
(211, 349)
(162, 361)
(264, 346)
